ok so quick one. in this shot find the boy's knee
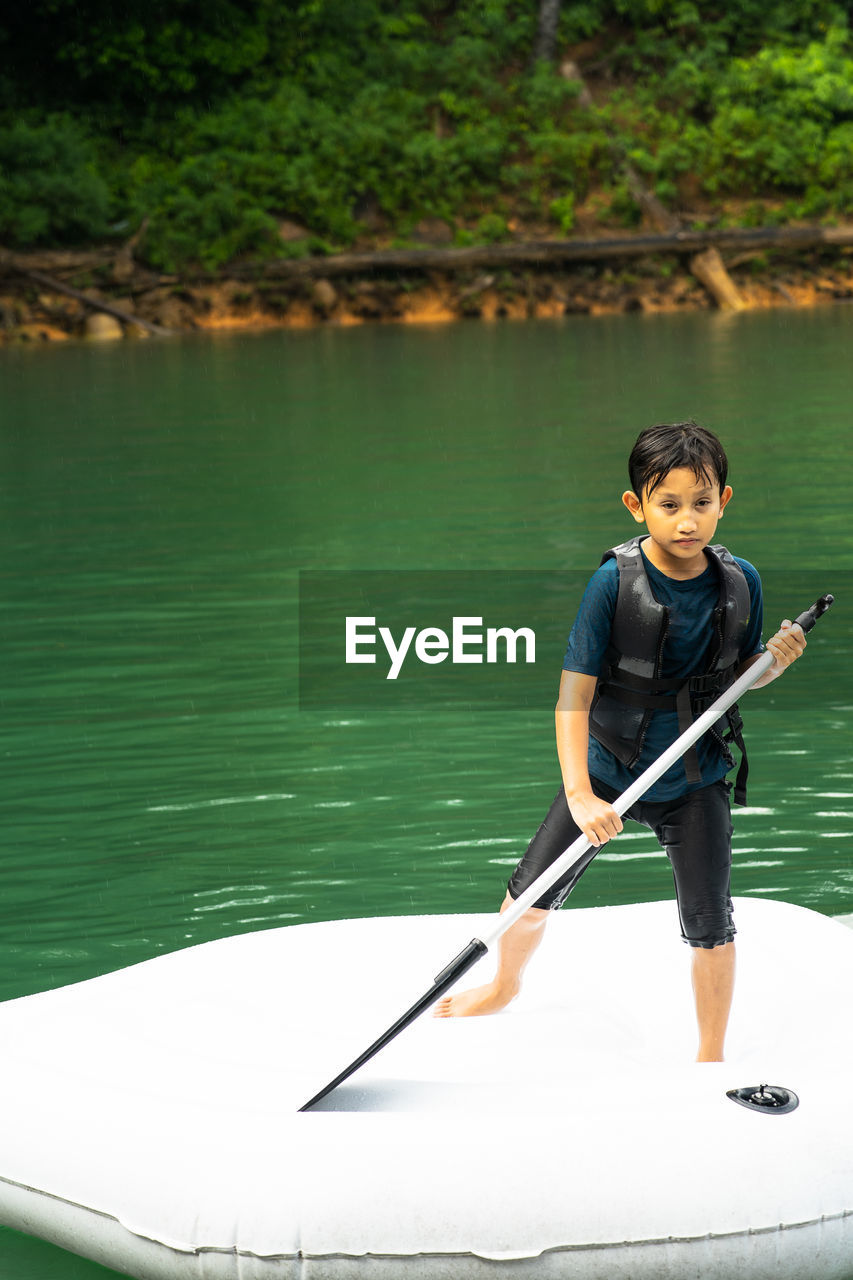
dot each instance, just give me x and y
(708, 933)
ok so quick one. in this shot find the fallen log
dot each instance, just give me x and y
(538, 253)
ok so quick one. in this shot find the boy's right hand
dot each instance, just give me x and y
(597, 819)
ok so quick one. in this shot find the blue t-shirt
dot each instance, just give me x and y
(691, 605)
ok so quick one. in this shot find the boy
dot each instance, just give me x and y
(666, 623)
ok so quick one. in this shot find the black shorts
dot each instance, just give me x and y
(694, 829)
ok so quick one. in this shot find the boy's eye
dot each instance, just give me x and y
(668, 505)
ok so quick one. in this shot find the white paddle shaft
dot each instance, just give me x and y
(633, 793)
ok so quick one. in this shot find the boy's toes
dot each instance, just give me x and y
(442, 1008)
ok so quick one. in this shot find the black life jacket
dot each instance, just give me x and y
(630, 688)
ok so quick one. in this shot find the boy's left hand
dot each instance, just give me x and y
(786, 646)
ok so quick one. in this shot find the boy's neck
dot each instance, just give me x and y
(679, 570)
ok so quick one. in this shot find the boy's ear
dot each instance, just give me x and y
(632, 502)
(724, 498)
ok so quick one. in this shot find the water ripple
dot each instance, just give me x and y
(222, 800)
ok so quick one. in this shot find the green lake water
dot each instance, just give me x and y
(162, 785)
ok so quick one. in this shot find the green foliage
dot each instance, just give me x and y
(213, 120)
(778, 122)
(296, 157)
(491, 228)
(562, 211)
(200, 216)
(670, 27)
(50, 189)
(134, 60)
(624, 207)
(784, 119)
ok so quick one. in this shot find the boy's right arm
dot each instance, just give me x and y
(597, 819)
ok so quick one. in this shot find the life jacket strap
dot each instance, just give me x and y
(735, 735)
(691, 698)
(708, 685)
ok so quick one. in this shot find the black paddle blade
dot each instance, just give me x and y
(445, 979)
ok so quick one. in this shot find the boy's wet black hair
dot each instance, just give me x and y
(660, 449)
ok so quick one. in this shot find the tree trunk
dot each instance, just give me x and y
(657, 213)
(545, 48)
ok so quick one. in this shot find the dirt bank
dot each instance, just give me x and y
(32, 312)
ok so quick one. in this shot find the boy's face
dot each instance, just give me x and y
(681, 515)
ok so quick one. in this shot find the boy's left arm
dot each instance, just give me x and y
(786, 646)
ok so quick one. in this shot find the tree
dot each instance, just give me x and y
(545, 47)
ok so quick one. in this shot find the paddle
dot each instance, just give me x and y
(578, 854)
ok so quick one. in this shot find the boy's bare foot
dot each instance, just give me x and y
(474, 1003)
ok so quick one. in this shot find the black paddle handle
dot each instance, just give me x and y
(467, 956)
(809, 618)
